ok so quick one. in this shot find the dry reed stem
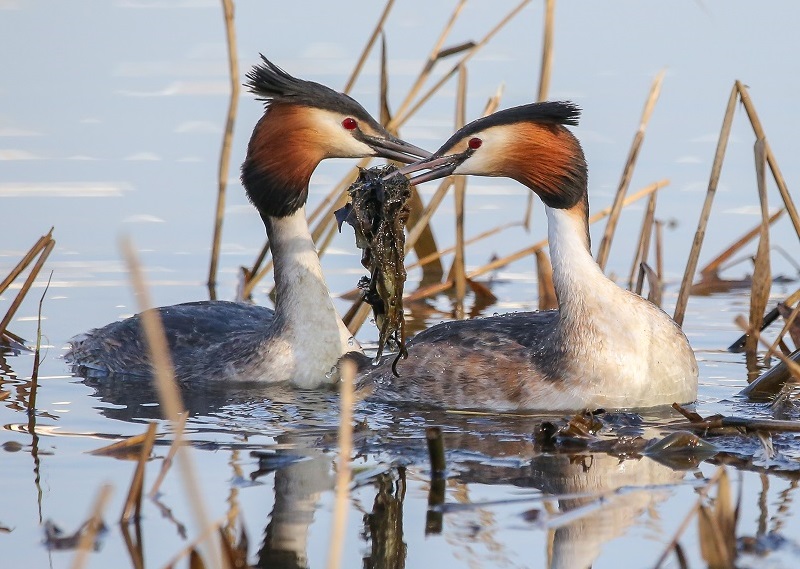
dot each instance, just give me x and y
(36, 360)
(336, 545)
(479, 237)
(794, 368)
(416, 230)
(402, 117)
(750, 109)
(655, 292)
(433, 57)
(769, 318)
(458, 270)
(133, 502)
(89, 534)
(499, 263)
(673, 543)
(227, 139)
(26, 286)
(643, 248)
(660, 249)
(40, 244)
(333, 201)
(368, 48)
(788, 324)
(713, 182)
(759, 293)
(168, 393)
(547, 49)
(358, 312)
(544, 276)
(627, 173)
(545, 71)
(207, 531)
(712, 267)
(336, 197)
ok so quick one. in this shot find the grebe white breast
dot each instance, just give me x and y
(603, 346)
(302, 339)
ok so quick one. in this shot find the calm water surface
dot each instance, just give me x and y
(111, 116)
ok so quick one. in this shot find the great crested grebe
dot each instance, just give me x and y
(603, 346)
(302, 339)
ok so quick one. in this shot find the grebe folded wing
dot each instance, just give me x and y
(119, 348)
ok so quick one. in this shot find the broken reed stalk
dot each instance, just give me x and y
(773, 348)
(643, 247)
(433, 436)
(169, 396)
(713, 182)
(750, 109)
(36, 361)
(521, 254)
(133, 503)
(627, 172)
(86, 541)
(458, 270)
(368, 48)
(40, 244)
(227, 139)
(759, 294)
(655, 292)
(794, 368)
(46, 249)
(712, 267)
(545, 71)
(769, 318)
(336, 545)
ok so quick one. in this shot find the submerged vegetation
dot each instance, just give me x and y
(573, 462)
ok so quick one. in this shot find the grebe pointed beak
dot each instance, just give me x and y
(395, 149)
(438, 167)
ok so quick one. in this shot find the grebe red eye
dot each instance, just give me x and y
(349, 123)
(474, 143)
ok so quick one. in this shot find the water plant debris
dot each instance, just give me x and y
(378, 212)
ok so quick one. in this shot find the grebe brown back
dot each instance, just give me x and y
(603, 346)
(301, 340)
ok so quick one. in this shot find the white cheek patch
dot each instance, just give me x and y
(484, 160)
(338, 141)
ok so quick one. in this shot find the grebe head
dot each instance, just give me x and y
(304, 123)
(528, 143)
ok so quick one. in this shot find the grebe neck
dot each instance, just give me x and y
(299, 282)
(576, 275)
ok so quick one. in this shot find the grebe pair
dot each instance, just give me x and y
(604, 347)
